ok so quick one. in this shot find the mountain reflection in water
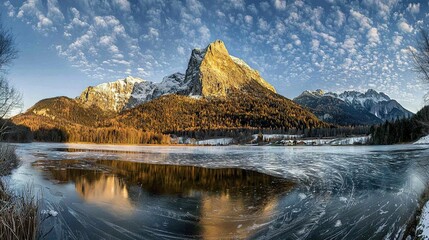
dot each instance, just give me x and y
(185, 201)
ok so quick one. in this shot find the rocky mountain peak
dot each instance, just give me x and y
(319, 92)
(378, 96)
(217, 48)
(213, 72)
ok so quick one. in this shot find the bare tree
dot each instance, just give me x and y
(421, 55)
(10, 98)
(8, 51)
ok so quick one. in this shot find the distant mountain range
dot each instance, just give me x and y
(217, 92)
(352, 107)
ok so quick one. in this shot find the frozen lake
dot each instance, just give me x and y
(175, 192)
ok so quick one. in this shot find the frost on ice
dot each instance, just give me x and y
(52, 213)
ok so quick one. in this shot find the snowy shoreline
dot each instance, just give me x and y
(278, 139)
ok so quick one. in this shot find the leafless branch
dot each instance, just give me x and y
(10, 98)
(8, 51)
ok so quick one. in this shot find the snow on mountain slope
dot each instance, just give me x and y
(363, 99)
(111, 96)
(375, 103)
(146, 91)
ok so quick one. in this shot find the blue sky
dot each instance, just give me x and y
(333, 45)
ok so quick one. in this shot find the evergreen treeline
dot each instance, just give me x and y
(48, 129)
(174, 113)
(100, 135)
(404, 130)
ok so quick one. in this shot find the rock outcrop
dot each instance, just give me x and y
(111, 96)
(212, 72)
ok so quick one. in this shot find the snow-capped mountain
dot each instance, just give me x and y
(111, 96)
(365, 108)
(146, 91)
(211, 72)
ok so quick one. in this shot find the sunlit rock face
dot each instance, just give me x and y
(213, 72)
(111, 96)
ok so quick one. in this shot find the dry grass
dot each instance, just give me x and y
(18, 212)
(8, 159)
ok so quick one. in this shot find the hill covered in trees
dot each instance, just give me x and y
(262, 110)
(62, 119)
(402, 131)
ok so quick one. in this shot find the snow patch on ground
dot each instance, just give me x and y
(423, 140)
(422, 231)
(330, 141)
(269, 137)
(206, 142)
(351, 140)
(216, 141)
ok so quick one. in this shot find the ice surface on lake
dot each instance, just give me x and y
(52, 213)
(330, 192)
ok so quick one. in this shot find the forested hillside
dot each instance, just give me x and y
(401, 131)
(263, 110)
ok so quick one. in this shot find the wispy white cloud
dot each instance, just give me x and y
(404, 26)
(373, 37)
(54, 12)
(363, 20)
(123, 5)
(30, 10)
(10, 8)
(248, 19)
(280, 4)
(413, 8)
(263, 25)
(205, 33)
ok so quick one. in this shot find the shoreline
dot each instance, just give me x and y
(415, 220)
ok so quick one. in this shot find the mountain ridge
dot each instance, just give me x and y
(353, 107)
